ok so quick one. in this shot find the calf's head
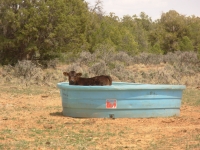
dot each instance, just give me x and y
(73, 77)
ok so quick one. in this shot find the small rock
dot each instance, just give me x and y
(184, 130)
(48, 126)
(5, 118)
(197, 129)
(44, 96)
(48, 143)
(167, 121)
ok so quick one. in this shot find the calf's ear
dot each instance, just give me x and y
(65, 73)
(79, 74)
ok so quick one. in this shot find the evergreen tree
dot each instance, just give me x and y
(186, 44)
(46, 27)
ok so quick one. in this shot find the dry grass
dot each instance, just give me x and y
(31, 118)
(31, 109)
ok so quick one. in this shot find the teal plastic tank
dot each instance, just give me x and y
(121, 100)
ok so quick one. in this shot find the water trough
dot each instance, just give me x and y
(121, 100)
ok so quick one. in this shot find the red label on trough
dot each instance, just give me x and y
(111, 103)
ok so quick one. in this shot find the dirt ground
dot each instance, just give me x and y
(21, 115)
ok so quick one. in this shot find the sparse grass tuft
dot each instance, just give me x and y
(191, 97)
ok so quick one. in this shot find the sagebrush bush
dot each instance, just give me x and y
(7, 70)
(172, 68)
(146, 58)
(74, 67)
(122, 57)
(99, 68)
(104, 53)
(28, 70)
(86, 58)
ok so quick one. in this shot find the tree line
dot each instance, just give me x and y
(49, 29)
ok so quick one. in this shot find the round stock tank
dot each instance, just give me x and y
(121, 100)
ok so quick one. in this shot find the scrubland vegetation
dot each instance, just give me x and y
(172, 68)
(40, 39)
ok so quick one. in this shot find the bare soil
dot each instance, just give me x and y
(37, 121)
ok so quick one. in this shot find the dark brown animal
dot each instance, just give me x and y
(76, 79)
(103, 80)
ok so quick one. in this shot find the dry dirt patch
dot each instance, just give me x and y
(36, 122)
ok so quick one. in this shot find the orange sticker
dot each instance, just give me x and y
(111, 103)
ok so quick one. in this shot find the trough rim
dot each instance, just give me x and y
(122, 86)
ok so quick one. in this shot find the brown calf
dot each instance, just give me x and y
(76, 79)
(103, 80)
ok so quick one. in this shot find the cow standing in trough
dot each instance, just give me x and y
(76, 79)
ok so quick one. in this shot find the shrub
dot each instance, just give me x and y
(99, 68)
(28, 70)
